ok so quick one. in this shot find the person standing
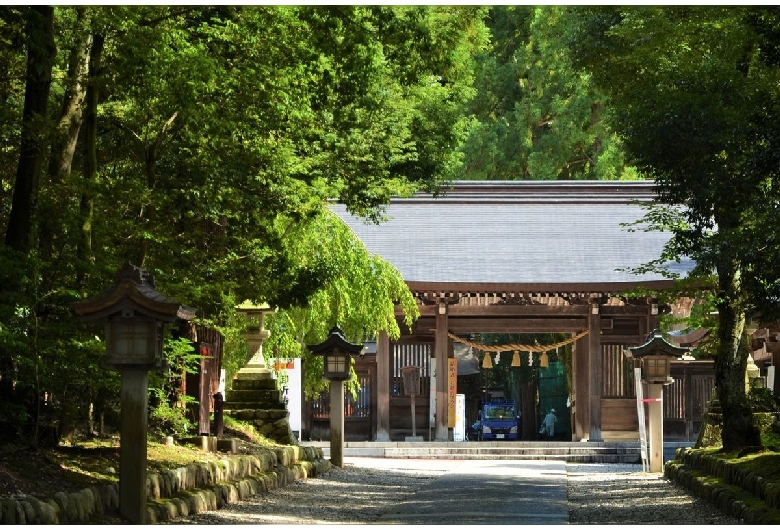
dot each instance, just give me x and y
(548, 424)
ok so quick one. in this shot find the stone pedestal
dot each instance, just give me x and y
(711, 425)
(254, 397)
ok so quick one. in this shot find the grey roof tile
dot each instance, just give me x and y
(517, 232)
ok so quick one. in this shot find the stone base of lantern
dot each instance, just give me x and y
(255, 399)
(256, 371)
(712, 425)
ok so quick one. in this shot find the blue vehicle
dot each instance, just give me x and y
(499, 421)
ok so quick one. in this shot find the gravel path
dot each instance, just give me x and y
(366, 488)
(622, 493)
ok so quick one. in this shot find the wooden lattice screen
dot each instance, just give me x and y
(618, 373)
(686, 399)
(410, 355)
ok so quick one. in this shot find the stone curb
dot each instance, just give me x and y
(219, 495)
(758, 502)
(178, 492)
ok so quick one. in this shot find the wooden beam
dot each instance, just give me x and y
(539, 310)
(595, 375)
(508, 310)
(517, 325)
(624, 310)
(415, 339)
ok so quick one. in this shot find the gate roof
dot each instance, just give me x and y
(556, 235)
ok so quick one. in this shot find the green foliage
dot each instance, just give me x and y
(695, 93)
(168, 412)
(535, 115)
(763, 400)
(223, 132)
(169, 420)
(698, 116)
(360, 297)
(230, 324)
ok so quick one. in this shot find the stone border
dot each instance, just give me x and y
(732, 489)
(177, 492)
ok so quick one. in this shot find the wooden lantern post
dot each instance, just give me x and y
(134, 315)
(338, 368)
(655, 357)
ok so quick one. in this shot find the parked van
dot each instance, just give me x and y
(499, 421)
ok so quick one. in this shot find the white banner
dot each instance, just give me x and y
(459, 432)
(640, 411)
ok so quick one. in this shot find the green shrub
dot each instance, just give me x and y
(167, 420)
(168, 406)
(763, 400)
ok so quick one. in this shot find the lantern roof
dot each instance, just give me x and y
(657, 345)
(248, 306)
(335, 340)
(134, 289)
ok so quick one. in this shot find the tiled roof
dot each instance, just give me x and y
(556, 232)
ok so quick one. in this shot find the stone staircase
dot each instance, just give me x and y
(582, 452)
(611, 452)
(255, 399)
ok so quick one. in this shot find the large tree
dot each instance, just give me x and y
(208, 141)
(696, 94)
(535, 115)
(41, 50)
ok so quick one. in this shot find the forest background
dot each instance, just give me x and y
(203, 143)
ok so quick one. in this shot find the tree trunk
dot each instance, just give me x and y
(63, 145)
(86, 206)
(41, 52)
(731, 360)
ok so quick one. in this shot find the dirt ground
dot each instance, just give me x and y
(42, 473)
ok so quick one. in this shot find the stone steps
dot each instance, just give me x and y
(254, 398)
(581, 452)
(256, 413)
(251, 396)
(254, 384)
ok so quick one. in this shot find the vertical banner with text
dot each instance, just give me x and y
(452, 390)
(459, 433)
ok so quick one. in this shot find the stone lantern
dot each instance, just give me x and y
(654, 357)
(337, 369)
(255, 333)
(134, 315)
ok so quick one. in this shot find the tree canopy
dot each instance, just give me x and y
(203, 143)
(695, 95)
(535, 116)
